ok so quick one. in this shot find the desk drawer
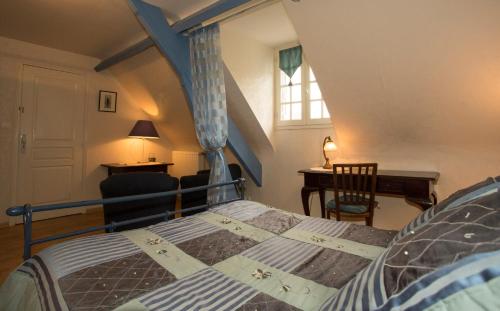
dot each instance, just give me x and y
(326, 181)
(390, 186)
(318, 180)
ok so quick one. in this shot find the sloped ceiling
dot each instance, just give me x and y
(268, 25)
(94, 28)
(97, 28)
(394, 73)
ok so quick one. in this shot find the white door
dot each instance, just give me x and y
(50, 152)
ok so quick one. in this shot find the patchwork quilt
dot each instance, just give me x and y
(238, 256)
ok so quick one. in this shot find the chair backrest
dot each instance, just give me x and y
(199, 198)
(126, 184)
(355, 184)
(234, 170)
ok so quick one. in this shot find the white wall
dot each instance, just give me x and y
(105, 133)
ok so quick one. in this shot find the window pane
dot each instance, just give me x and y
(284, 79)
(297, 76)
(296, 111)
(285, 112)
(316, 109)
(285, 94)
(312, 77)
(314, 92)
(326, 114)
(296, 93)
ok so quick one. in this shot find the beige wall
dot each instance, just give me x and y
(251, 65)
(105, 133)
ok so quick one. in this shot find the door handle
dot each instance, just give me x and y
(22, 143)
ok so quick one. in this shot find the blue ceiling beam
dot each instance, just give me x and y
(175, 47)
(128, 52)
(196, 19)
(207, 13)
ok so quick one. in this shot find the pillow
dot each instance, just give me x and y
(490, 185)
(454, 255)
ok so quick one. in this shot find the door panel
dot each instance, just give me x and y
(51, 184)
(50, 165)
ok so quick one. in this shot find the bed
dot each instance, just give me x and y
(245, 255)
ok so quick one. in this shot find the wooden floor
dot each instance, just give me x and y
(11, 238)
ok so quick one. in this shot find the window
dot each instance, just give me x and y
(299, 102)
(317, 105)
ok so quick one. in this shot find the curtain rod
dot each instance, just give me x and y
(245, 8)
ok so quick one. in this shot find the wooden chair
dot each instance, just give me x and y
(354, 192)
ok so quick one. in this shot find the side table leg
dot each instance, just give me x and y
(305, 192)
(322, 202)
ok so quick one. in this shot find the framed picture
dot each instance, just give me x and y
(107, 101)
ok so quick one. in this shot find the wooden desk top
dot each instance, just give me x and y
(118, 165)
(428, 175)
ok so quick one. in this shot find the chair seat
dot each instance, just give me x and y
(349, 208)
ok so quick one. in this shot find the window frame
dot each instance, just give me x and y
(306, 120)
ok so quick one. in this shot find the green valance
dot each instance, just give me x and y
(290, 60)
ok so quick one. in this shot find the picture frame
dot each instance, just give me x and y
(107, 101)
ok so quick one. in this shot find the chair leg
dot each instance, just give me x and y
(369, 221)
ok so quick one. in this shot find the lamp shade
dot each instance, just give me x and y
(329, 145)
(144, 129)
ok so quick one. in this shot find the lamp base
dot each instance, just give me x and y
(327, 164)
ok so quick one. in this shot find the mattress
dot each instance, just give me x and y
(239, 256)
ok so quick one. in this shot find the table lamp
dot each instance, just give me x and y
(328, 145)
(144, 129)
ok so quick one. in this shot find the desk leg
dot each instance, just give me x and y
(424, 203)
(434, 197)
(305, 192)
(322, 202)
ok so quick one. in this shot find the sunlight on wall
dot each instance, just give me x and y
(151, 108)
(143, 99)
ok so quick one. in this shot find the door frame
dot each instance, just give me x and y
(20, 63)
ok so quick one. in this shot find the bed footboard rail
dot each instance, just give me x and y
(27, 210)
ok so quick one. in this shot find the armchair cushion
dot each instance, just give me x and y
(199, 198)
(119, 185)
(196, 198)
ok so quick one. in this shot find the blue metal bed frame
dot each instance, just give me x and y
(26, 211)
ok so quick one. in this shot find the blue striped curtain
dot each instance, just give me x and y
(209, 105)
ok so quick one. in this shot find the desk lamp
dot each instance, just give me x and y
(328, 145)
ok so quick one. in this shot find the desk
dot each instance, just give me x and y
(117, 168)
(415, 187)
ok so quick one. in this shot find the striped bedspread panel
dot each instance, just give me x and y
(238, 256)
